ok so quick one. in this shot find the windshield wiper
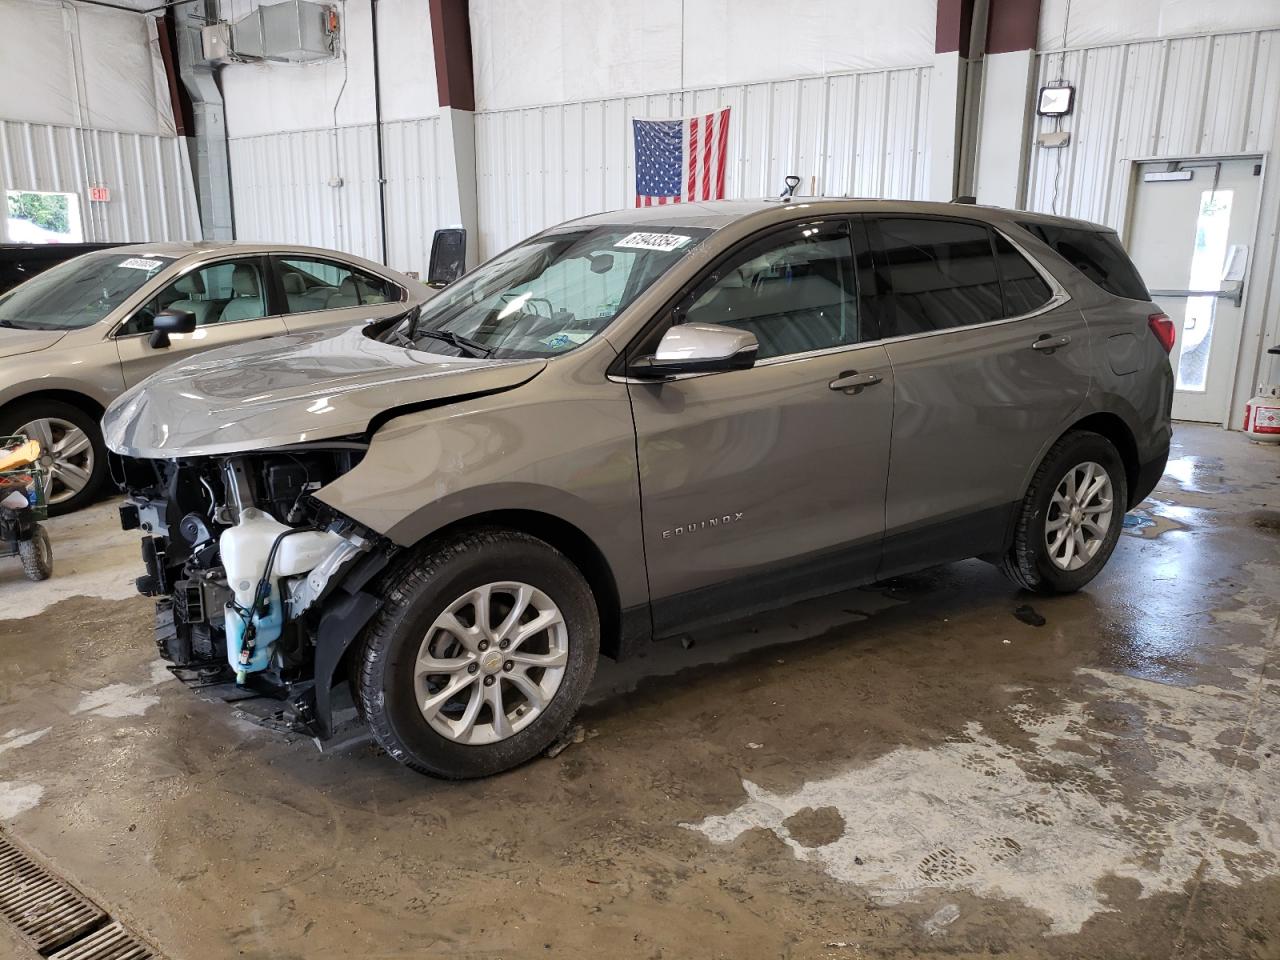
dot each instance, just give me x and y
(469, 347)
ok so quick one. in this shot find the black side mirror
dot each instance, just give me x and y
(448, 257)
(170, 321)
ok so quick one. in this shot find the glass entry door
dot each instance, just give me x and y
(1193, 224)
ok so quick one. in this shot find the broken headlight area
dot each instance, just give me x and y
(259, 587)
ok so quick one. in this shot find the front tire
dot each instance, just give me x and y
(480, 656)
(72, 450)
(1071, 517)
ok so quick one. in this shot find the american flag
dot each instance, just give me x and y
(681, 160)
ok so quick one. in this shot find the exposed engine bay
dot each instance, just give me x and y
(258, 584)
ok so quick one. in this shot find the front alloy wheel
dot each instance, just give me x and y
(480, 655)
(72, 454)
(67, 457)
(491, 662)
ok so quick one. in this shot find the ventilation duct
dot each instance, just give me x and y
(296, 31)
(208, 147)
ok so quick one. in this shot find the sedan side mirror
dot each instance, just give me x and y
(170, 321)
(698, 348)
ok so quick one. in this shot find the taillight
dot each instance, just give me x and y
(1164, 330)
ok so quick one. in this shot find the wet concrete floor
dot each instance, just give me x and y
(905, 770)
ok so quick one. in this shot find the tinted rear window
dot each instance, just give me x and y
(1099, 256)
(1024, 288)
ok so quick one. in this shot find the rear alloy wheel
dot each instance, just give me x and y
(1070, 519)
(480, 655)
(1079, 517)
(72, 453)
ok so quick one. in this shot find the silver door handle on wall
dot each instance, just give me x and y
(1051, 343)
(1235, 295)
(852, 380)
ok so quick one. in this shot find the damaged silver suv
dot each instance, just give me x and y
(627, 428)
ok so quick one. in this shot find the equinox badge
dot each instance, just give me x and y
(699, 525)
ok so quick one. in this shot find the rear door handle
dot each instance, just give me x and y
(852, 380)
(1050, 343)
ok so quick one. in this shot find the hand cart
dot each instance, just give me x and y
(23, 506)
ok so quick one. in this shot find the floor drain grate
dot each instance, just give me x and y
(112, 942)
(53, 916)
(44, 909)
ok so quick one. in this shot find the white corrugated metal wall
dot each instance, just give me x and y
(1163, 98)
(1211, 95)
(285, 189)
(152, 196)
(84, 103)
(857, 134)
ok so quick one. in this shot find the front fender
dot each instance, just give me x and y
(565, 453)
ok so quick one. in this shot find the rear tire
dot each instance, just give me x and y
(37, 555)
(434, 673)
(1068, 501)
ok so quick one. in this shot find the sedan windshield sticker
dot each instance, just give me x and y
(653, 241)
(140, 263)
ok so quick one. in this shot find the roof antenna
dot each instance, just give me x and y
(792, 182)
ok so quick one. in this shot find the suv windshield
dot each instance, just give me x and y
(77, 293)
(549, 294)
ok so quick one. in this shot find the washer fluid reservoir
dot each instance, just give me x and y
(245, 549)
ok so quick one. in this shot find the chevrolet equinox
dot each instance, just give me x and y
(629, 427)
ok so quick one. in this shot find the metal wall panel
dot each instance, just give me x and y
(1213, 95)
(1165, 98)
(857, 134)
(152, 196)
(320, 187)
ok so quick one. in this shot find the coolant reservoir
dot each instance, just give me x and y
(245, 549)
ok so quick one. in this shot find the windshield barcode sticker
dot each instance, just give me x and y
(653, 241)
(140, 263)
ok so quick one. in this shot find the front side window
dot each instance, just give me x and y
(548, 295)
(225, 292)
(79, 292)
(935, 274)
(794, 290)
(311, 284)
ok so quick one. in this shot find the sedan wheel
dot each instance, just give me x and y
(67, 457)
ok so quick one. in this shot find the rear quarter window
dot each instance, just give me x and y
(1098, 255)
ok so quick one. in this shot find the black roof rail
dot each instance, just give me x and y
(965, 199)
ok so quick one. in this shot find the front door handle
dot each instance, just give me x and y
(1051, 343)
(852, 380)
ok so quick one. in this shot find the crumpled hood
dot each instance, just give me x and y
(14, 342)
(293, 389)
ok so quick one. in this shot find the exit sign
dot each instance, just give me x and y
(99, 194)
